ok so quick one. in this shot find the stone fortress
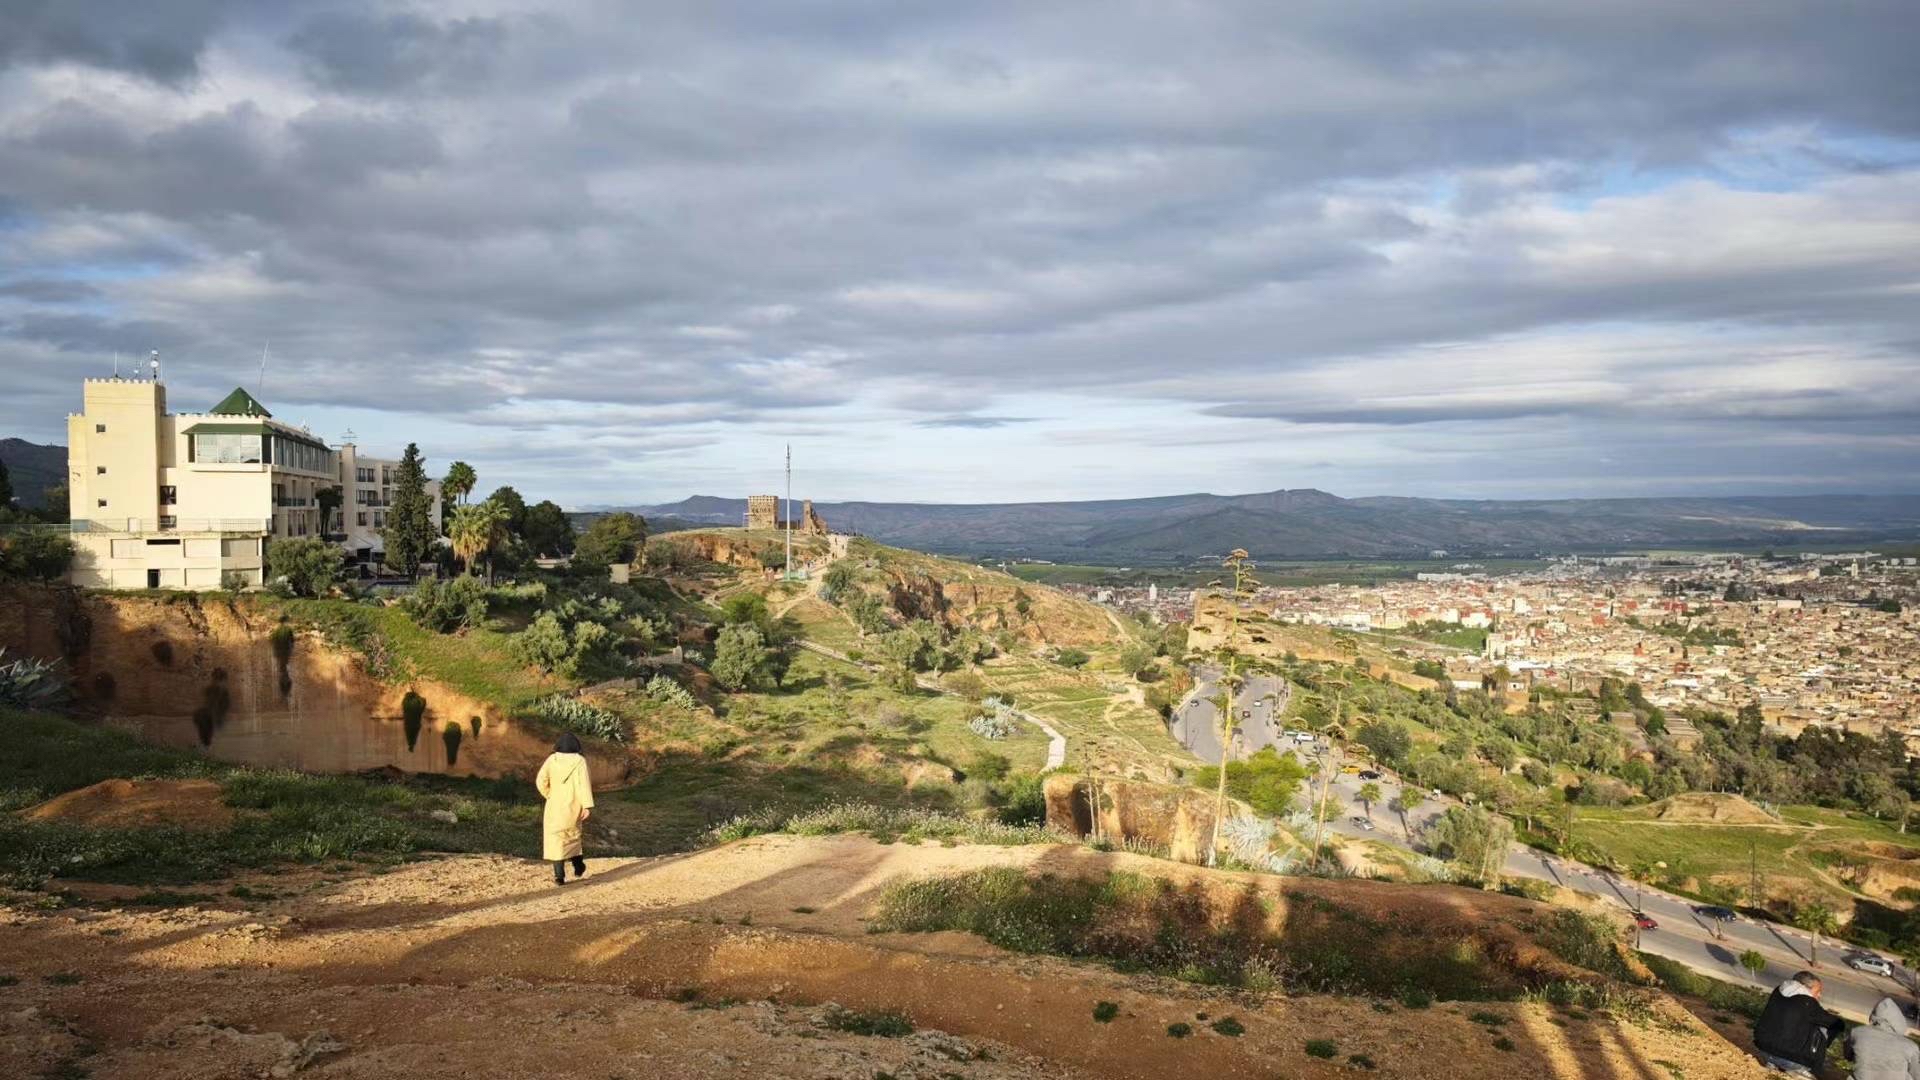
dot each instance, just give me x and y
(763, 512)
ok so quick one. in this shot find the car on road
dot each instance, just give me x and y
(1644, 921)
(1303, 736)
(1715, 911)
(1370, 774)
(1349, 770)
(1871, 964)
(1361, 823)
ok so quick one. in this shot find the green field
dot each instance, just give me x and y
(1795, 857)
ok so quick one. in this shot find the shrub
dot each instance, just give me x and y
(581, 718)
(668, 692)
(589, 649)
(35, 555)
(1266, 781)
(1361, 1061)
(1322, 1048)
(1104, 1012)
(1072, 658)
(308, 565)
(887, 823)
(1503, 1043)
(1180, 1029)
(447, 606)
(885, 1024)
(1229, 1027)
(413, 708)
(32, 683)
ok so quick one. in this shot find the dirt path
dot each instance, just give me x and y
(476, 966)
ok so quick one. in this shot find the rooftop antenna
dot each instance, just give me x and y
(265, 348)
(347, 437)
(153, 364)
(116, 363)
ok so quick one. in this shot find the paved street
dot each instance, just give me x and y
(1261, 703)
(1705, 945)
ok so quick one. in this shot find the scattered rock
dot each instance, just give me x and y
(447, 816)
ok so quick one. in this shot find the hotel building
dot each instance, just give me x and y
(192, 500)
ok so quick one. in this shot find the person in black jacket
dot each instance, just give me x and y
(1793, 1030)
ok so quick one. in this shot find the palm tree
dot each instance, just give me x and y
(459, 482)
(1408, 801)
(475, 530)
(1815, 919)
(1368, 794)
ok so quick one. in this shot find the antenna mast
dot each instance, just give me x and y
(789, 514)
(265, 348)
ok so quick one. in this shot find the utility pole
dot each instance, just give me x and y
(1753, 881)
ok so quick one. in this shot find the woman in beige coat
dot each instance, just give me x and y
(564, 783)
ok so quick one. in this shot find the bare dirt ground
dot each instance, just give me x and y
(189, 804)
(715, 964)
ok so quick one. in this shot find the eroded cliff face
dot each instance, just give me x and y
(206, 671)
(1049, 618)
(1178, 819)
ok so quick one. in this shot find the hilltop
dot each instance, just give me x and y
(1306, 523)
(33, 468)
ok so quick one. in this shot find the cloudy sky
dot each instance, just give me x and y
(615, 252)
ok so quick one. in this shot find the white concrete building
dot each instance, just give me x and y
(192, 500)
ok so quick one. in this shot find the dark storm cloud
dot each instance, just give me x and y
(1347, 218)
(158, 41)
(369, 54)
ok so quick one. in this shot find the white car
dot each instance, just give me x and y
(1873, 965)
(1303, 736)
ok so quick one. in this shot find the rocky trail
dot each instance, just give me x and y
(720, 963)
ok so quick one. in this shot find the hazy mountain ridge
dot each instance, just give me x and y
(33, 468)
(1306, 523)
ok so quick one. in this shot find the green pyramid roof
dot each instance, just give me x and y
(239, 403)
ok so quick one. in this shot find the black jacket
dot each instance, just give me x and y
(1794, 1026)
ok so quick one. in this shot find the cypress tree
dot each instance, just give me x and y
(409, 533)
(6, 487)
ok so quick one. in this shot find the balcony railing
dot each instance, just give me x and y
(292, 500)
(172, 525)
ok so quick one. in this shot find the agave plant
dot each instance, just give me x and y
(32, 683)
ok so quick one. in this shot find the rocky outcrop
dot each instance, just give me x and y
(1037, 615)
(1178, 819)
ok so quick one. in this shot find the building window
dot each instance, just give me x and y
(99, 470)
(168, 521)
(169, 494)
(227, 449)
(379, 519)
(99, 429)
(363, 517)
(102, 503)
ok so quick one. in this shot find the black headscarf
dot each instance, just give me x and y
(568, 744)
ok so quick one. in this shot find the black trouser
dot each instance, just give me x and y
(560, 868)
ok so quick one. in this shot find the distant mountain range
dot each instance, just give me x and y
(33, 469)
(1306, 523)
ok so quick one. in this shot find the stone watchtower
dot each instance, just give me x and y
(763, 511)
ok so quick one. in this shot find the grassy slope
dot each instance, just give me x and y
(288, 816)
(1786, 854)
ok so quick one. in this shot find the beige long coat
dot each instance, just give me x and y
(564, 783)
